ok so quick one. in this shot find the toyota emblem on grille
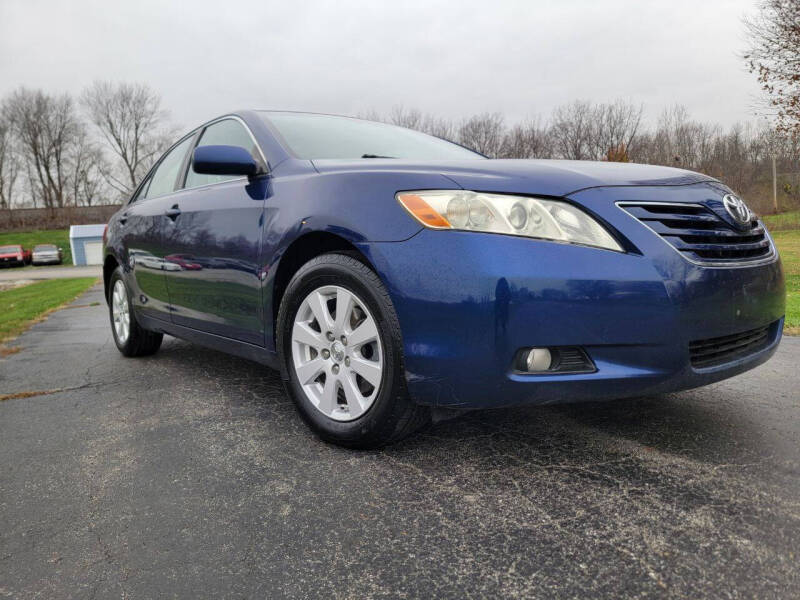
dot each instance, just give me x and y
(737, 209)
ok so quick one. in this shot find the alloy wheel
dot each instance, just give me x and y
(337, 353)
(120, 312)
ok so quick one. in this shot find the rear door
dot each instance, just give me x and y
(142, 227)
(213, 243)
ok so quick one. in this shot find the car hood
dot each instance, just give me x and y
(544, 177)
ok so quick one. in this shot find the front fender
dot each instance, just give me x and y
(357, 208)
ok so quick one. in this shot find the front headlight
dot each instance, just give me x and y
(501, 213)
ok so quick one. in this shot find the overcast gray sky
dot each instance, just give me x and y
(521, 58)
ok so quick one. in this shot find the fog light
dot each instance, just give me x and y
(552, 360)
(538, 359)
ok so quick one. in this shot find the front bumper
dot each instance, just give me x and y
(468, 302)
(46, 260)
(11, 262)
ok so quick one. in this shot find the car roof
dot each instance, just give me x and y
(302, 112)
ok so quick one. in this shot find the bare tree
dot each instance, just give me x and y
(614, 127)
(9, 165)
(440, 127)
(130, 120)
(531, 139)
(46, 127)
(774, 56)
(417, 120)
(572, 130)
(405, 117)
(483, 133)
(585, 131)
(87, 169)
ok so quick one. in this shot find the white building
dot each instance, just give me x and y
(86, 243)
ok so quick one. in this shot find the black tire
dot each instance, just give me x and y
(140, 342)
(393, 415)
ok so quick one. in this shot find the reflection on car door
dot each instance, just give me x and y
(213, 243)
(142, 225)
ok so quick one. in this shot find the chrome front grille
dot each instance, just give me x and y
(701, 235)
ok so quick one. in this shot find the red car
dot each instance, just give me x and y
(185, 261)
(14, 255)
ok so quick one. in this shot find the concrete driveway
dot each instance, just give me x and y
(189, 474)
(36, 273)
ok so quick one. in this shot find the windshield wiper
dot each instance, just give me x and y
(375, 156)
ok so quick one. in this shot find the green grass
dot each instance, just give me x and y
(782, 221)
(28, 239)
(22, 306)
(789, 246)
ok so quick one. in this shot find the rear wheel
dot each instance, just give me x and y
(341, 354)
(130, 337)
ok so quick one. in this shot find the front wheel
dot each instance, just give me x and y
(341, 354)
(130, 337)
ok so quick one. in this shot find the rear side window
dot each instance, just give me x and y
(228, 132)
(166, 175)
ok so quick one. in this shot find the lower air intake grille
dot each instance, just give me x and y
(701, 235)
(717, 351)
(571, 360)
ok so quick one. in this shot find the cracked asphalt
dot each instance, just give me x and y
(189, 474)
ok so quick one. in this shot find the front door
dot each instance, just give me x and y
(142, 226)
(212, 246)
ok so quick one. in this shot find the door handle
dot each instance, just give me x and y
(173, 212)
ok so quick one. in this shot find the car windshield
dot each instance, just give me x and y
(311, 136)
(7, 249)
(44, 247)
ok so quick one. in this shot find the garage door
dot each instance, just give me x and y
(94, 253)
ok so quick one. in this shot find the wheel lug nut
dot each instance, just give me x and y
(326, 354)
(335, 369)
(329, 335)
(344, 340)
(347, 360)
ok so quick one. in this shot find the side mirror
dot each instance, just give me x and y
(225, 160)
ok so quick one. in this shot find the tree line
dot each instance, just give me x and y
(740, 155)
(59, 151)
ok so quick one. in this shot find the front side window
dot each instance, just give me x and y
(227, 132)
(142, 193)
(164, 179)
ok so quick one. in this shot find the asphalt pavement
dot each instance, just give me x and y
(189, 474)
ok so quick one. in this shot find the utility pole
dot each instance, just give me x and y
(774, 185)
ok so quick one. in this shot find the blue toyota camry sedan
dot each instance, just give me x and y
(385, 272)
